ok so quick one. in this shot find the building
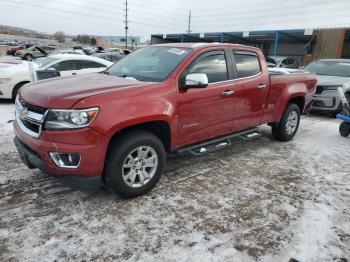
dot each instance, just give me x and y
(303, 44)
(118, 41)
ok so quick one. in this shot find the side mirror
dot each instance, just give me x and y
(50, 69)
(196, 81)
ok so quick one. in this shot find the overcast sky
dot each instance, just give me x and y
(156, 16)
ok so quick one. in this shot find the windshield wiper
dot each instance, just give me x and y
(105, 72)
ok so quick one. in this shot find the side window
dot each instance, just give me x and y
(247, 63)
(214, 66)
(66, 65)
(290, 61)
(85, 64)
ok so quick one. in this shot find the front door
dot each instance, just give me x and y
(207, 112)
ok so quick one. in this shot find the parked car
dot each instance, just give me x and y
(127, 51)
(119, 126)
(68, 52)
(114, 50)
(331, 73)
(282, 61)
(95, 50)
(34, 52)
(111, 57)
(13, 50)
(13, 77)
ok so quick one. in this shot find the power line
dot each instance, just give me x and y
(113, 19)
(60, 10)
(67, 17)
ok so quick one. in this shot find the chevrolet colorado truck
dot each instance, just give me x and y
(118, 127)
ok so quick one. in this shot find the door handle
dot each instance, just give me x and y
(74, 74)
(228, 93)
(261, 86)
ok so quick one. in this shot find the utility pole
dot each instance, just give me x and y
(126, 21)
(189, 23)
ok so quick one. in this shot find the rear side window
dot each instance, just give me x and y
(68, 65)
(84, 64)
(213, 65)
(247, 63)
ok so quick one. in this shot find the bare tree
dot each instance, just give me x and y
(60, 36)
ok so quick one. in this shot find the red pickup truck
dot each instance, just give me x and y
(118, 127)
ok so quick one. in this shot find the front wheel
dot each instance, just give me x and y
(134, 164)
(28, 57)
(286, 129)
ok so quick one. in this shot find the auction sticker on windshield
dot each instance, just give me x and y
(176, 51)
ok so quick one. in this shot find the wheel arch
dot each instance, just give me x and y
(159, 128)
(299, 101)
(17, 87)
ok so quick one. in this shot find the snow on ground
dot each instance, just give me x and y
(7, 115)
(261, 200)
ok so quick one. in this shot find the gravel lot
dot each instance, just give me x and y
(261, 200)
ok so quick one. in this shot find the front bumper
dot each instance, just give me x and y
(6, 89)
(91, 145)
(329, 102)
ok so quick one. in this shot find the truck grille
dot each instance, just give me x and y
(36, 109)
(31, 126)
(30, 118)
(319, 90)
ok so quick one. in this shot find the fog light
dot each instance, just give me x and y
(65, 160)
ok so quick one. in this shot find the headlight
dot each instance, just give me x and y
(4, 80)
(69, 119)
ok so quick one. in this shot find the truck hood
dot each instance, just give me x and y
(332, 80)
(66, 91)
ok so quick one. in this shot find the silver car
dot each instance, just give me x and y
(331, 73)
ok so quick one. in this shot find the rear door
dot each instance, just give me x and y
(207, 112)
(252, 89)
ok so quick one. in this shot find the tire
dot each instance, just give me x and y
(344, 129)
(28, 57)
(347, 95)
(286, 129)
(123, 175)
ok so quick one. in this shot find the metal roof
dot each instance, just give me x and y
(251, 37)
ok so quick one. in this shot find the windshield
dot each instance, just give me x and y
(45, 61)
(329, 68)
(270, 60)
(150, 63)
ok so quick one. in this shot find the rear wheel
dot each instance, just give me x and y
(344, 129)
(29, 57)
(134, 163)
(286, 129)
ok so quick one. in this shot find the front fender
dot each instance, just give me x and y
(115, 115)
